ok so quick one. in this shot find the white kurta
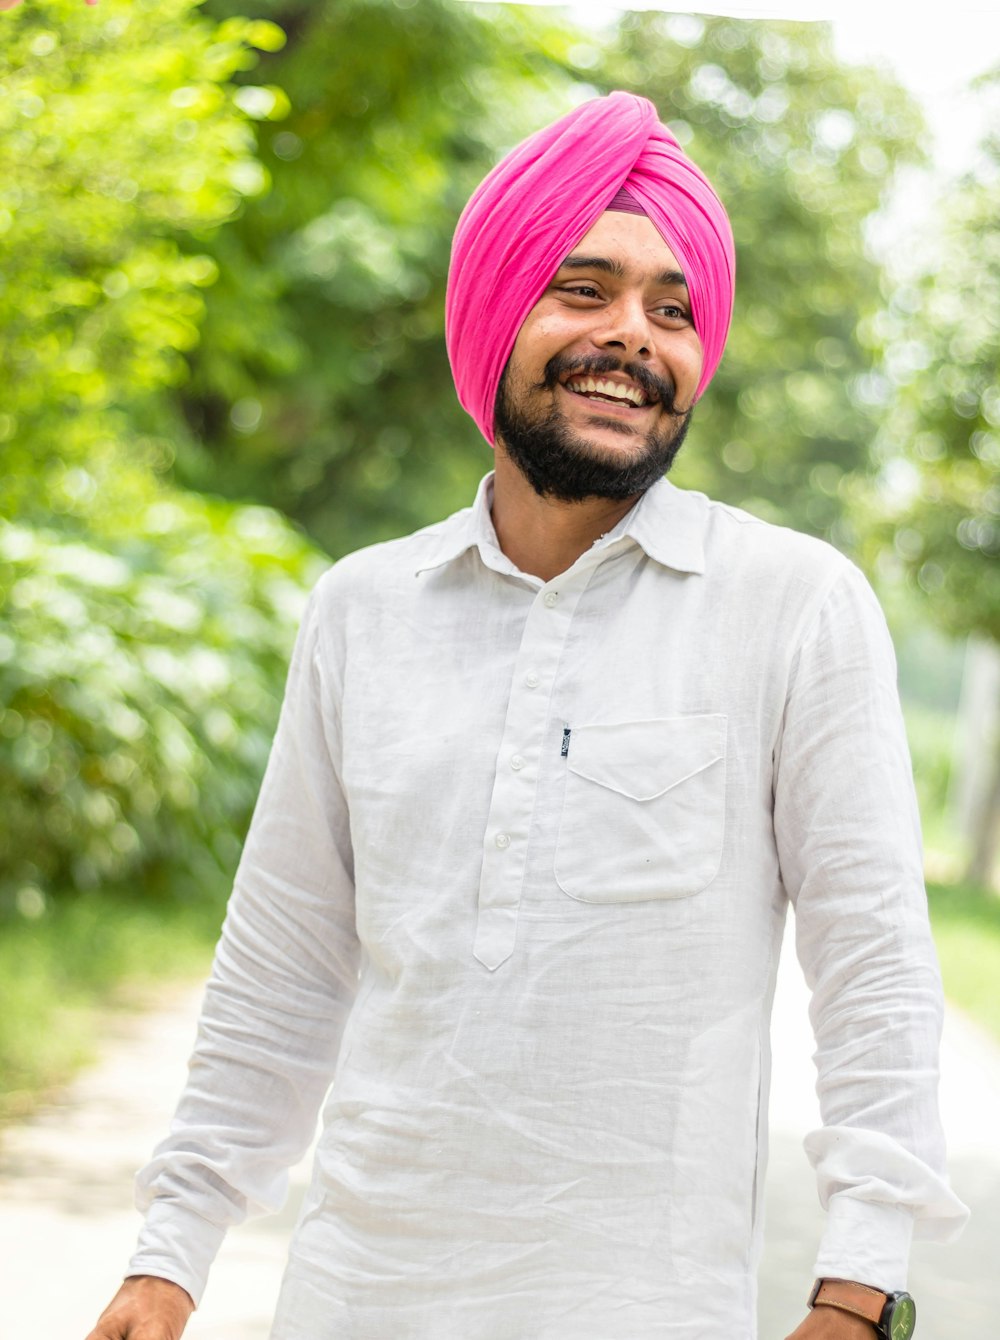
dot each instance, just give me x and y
(516, 883)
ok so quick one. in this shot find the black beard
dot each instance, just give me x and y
(559, 463)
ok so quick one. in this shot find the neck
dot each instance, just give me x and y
(545, 536)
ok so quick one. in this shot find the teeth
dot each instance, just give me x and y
(599, 386)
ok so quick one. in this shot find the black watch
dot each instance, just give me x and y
(894, 1315)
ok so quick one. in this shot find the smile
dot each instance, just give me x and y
(624, 395)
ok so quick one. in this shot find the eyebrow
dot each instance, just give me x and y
(615, 268)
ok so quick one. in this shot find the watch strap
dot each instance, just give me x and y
(849, 1296)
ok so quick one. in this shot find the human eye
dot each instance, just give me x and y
(579, 290)
(674, 312)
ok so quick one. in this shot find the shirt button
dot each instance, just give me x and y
(517, 762)
(502, 840)
(532, 680)
(551, 598)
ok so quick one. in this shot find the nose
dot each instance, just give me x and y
(625, 328)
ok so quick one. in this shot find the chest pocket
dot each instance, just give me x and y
(644, 812)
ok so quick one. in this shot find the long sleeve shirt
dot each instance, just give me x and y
(514, 894)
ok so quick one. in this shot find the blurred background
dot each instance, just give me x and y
(224, 237)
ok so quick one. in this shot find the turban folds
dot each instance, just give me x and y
(536, 205)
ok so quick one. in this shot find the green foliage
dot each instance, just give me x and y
(139, 684)
(935, 514)
(931, 736)
(119, 134)
(65, 969)
(321, 384)
(143, 634)
(966, 922)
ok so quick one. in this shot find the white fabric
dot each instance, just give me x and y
(528, 847)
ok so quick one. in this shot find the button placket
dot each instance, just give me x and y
(515, 782)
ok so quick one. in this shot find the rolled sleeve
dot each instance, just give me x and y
(283, 979)
(848, 836)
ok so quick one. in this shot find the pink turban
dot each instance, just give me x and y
(537, 203)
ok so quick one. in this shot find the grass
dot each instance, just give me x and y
(966, 925)
(966, 921)
(931, 736)
(64, 970)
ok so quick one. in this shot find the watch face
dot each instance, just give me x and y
(904, 1319)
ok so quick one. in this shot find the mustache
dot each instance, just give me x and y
(561, 366)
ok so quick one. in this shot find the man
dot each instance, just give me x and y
(547, 775)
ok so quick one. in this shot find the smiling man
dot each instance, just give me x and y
(548, 775)
(585, 399)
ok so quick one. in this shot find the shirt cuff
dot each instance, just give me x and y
(866, 1242)
(176, 1244)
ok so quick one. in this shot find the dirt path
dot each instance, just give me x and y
(67, 1225)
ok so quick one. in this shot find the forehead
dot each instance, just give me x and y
(630, 240)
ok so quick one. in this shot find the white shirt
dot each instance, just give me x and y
(516, 884)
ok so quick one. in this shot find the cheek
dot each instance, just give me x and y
(538, 341)
(541, 336)
(690, 362)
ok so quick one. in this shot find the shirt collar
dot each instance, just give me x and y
(667, 523)
(470, 528)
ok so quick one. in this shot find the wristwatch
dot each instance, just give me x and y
(894, 1315)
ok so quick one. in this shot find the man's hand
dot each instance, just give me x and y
(832, 1323)
(145, 1308)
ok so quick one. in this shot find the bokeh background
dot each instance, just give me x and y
(224, 237)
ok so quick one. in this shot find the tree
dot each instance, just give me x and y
(321, 383)
(139, 686)
(119, 136)
(143, 632)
